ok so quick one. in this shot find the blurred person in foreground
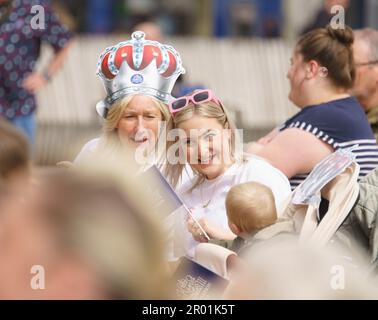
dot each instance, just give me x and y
(88, 231)
(365, 88)
(280, 269)
(20, 44)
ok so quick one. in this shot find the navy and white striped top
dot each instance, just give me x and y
(340, 123)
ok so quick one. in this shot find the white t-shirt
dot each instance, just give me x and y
(254, 169)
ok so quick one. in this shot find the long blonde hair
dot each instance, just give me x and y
(209, 110)
(110, 139)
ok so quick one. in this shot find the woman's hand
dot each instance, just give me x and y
(214, 232)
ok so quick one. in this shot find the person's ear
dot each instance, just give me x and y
(311, 69)
(234, 228)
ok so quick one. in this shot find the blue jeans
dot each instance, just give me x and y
(27, 125)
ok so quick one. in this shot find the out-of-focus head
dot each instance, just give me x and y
(250, 208)
(138, 66)
(86, 237)
(365, 50)
(322, 57)
(151, 29)
(14, 154)
(282, 269)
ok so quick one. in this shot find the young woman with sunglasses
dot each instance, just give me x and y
(209, 142)
(322, 70)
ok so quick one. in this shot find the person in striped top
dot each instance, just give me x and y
(322, 70)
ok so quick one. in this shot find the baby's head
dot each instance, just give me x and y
(250, 208)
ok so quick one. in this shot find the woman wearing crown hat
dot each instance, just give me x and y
(138, 76)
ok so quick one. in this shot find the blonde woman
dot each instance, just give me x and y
(138, 76)
(136, 122)
(208, 142)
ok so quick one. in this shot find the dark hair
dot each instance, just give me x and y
(332, 48)
(14, 150)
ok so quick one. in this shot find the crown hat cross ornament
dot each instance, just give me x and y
(138, 66)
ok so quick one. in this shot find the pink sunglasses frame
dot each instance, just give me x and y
(211, 97)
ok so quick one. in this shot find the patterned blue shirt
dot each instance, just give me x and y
(341, 124)
(19, 51)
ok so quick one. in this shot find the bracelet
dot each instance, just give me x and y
(46, 75)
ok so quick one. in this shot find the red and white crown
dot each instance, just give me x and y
(138, 66)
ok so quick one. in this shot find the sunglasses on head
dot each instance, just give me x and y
(196, 98)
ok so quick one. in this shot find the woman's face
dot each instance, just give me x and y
(296, 76)
(139, 123)
(207, 145)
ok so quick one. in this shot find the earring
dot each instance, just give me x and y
(323, 72)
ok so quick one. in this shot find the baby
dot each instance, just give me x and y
(250, 208)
